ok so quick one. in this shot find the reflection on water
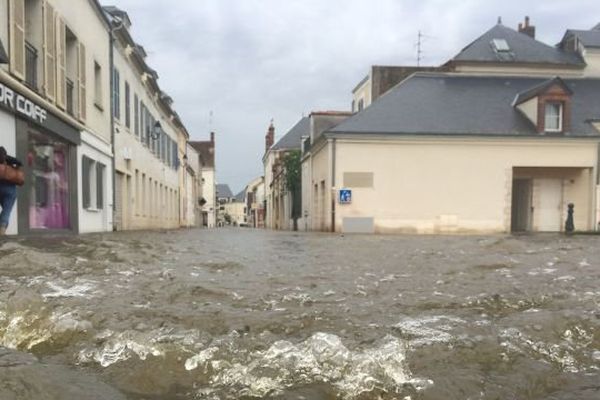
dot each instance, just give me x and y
(249, 314)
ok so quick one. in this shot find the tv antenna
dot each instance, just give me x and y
(419, 45)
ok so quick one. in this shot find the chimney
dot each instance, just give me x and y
(270, 138)
(212, 137)
(527, 29)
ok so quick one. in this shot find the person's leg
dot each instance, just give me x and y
(8, 196)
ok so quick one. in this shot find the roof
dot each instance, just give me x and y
(223, 191)
(241, 196)
(206, 151)
(3, 56)
(589, 38)
(293, 138)
(538, 89)
(447, 104)
(522, 50)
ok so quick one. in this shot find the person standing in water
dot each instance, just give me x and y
(8, 191)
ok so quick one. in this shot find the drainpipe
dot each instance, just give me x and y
(111, 58)
(333, 162)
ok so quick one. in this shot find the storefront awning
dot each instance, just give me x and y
(3, 56)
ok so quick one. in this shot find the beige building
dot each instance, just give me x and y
(208, 202)
(486, 154)
(236, 209)
(279, 201)
(150, 139)
(500, 144)
(192, 210)
(255, 203)
(55, 113)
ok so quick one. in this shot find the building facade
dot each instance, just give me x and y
(149, 137)
(279, 201)
(504, 142)
(55, 114)
(206, 152)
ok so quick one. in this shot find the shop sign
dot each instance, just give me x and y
(19, 104)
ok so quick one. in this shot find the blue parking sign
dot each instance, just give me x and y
(345, 196)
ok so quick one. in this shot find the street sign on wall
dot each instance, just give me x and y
(345, 196)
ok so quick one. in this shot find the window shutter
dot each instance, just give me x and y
(82, 83)
(49, 51)
(61, 63)
(17, 38)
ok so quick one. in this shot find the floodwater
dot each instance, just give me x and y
(244, 314)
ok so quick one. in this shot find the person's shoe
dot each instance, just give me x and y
(2, 230)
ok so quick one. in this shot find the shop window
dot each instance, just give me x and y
(48, 159)
(92, 184)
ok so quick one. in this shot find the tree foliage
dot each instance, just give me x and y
(292, 165)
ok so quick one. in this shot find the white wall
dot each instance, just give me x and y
(209, 193)
(8, 140)
(95, 220)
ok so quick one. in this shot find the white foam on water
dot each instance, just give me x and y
(24, 330)
(561, 354)
(121, 348)
(80, 290)
(428, 330)
(200, 359)
(321, 358)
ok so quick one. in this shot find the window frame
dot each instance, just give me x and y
(559, 117)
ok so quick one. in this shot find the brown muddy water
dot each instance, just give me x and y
(242, 314)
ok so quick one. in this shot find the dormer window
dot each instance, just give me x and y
(553, 117)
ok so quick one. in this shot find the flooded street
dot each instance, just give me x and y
(234, 314)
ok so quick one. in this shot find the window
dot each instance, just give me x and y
(127, 106)
(136, 115)
(117, 94)
(553, 117)
(500, 45)
(100, 168)
(92, 184)
(361, 105)
(98, 85)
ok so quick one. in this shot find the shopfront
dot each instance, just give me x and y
(47, 146)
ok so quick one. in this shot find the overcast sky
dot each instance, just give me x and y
(248, 61)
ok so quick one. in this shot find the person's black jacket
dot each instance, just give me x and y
(13, 161)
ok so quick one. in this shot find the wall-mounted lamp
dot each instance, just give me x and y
(156, 130)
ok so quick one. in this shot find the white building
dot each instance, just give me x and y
(55, 113)
(150, 139)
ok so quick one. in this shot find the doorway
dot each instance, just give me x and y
(522, 195)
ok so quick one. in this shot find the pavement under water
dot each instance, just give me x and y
(244, 314)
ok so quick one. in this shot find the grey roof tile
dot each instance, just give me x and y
(293, 138)
(223, 191)
(589, 38)
(523, 49)
(444, 104)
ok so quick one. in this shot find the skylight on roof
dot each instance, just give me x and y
(500, 45)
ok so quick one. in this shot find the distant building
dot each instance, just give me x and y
(206, 151)
(224, 196)
(236, 209)
(278, 198)
(255, 203)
